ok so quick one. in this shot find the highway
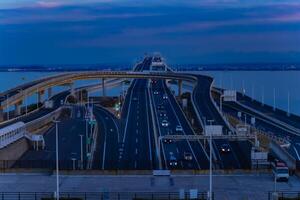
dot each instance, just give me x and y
(207, 111)
(292, 120)
(106, 155)
(266, 126)
(42, 111)
(165, 103)
(69, 143)
(137, 141)
(131, 142)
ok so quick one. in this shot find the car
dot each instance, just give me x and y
(155, 92)
(187, 156)
(167, 140)
(160, 107)
(164, 123)
(163, 114)
(225, 148)
(173, 161)
(179, 128)
(154, 81)
(135, 99)
(165, 97)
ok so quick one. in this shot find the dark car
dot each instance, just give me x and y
(225, 148)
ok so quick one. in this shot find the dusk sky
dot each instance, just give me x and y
(120, 31)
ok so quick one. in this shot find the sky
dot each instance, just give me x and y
(121, 31)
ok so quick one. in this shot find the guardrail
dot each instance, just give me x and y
(104, 195)
(284, 195)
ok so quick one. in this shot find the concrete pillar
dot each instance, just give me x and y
(179, 87)
(1, 114)
(40, 96)
(72, 89)
(49, 92)
(103, 87)
(18, 108)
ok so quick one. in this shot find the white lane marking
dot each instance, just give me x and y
(137, 131)
(148, 128)
(136, 140)
(129, 109)
(177, 118)
(160, 144)
(136, 151)
(177, 150)
(296, 152)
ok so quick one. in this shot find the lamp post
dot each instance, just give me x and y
(7, 107)
(81, 151)
(210, 161)
(57, 164)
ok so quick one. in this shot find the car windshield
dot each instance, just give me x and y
(282, 171)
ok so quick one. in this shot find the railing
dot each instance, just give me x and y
(284, 195)
(102, 195)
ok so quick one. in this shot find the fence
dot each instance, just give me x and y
(102, 196)
(284, 195)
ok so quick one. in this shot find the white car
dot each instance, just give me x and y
(179, 128)
(155, 92)
(165, 97)
(188, 156)
(164, 123)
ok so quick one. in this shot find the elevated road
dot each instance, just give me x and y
(106, 155)
(206, 110)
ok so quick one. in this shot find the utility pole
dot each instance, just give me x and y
(210, 161)
(274, 99)
(57, 163)
(81, 151)
(263, 96)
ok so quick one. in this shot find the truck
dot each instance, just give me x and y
(280, 171)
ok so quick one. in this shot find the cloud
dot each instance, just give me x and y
(48, 4)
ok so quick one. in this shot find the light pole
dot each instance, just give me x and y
(288, 107)
(210, 161)
(57, 165)
(221, 106)
(7, 107)
(263, 96)
(81, 151)
(274, 99)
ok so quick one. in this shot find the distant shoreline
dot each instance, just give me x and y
(178, 67)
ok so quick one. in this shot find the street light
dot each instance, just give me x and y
(7, 107)
(81, 151)
(210, 161)
(57, 165)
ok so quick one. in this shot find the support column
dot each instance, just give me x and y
(103, 87)
(40, 96)
(49, 92)
(1, 114)
(18, 108)
(72, 89)
(179, 87)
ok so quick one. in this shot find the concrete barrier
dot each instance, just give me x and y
(283, 155)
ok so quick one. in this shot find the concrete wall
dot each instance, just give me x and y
(14, 151)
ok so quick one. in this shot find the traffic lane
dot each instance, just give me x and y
(228, 161)
(208, 111)
(281, 115)
(41, 112)
(179, 148)
(136, 156)
(69, 144)
(106, 154)
(248, 112)
(197, 147)
(271, 130)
